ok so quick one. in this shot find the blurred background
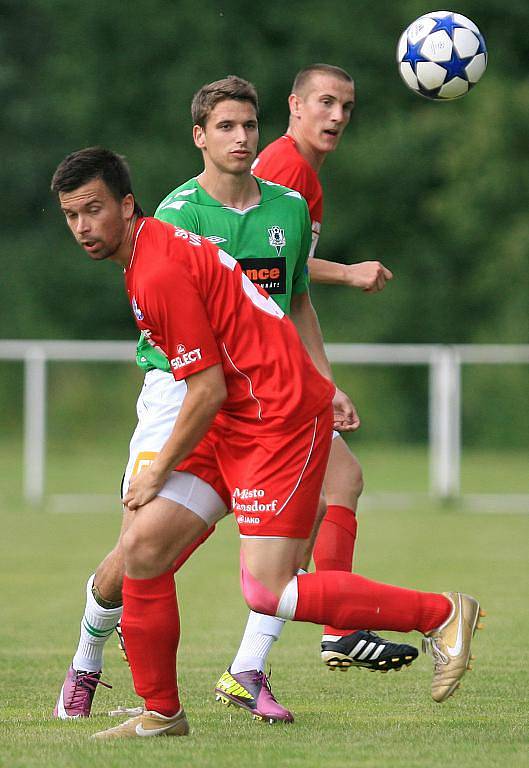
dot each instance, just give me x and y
(438, 192)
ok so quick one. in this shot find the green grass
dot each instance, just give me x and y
(350, 719)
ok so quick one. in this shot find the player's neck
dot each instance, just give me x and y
(314, 159)
(124, 252)
(238, 191)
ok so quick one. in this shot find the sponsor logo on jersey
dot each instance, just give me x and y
(138, 314)
(191, 237)
(248, 520)
(247, 500)
(270, 274)
(215, 239)
(186, 358)
(276, 238)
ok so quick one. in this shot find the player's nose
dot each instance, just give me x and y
(82, 225)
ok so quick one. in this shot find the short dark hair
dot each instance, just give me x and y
(304, 75)
(232, 87)
(91, 163)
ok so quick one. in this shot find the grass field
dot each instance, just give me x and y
(355, 718)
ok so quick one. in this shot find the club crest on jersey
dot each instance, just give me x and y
(276, 238)
(138, 314)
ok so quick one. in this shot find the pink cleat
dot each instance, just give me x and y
(251, 691)
(77, 693)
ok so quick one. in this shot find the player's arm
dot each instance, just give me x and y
(369, 276)
(206, 391)
(305, 319)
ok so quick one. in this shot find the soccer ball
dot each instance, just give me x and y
(442, 55)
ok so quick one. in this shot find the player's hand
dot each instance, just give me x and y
(143, 487)
(345, 416)
(370, 276)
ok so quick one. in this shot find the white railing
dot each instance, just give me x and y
(444, 364)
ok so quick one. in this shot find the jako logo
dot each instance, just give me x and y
(185, 359)
(248, 520)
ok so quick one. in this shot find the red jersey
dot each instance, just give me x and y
(282, 163)
(193, 301)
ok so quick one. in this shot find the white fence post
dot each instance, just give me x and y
(445, 423)
(34, 424)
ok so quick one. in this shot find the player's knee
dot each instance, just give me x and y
(356, 479)
(257, 596)
(261, 599)
(145, 551)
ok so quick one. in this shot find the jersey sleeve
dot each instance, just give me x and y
(300, 277)
(184, 327)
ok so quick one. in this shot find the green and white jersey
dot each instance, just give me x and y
(270, 240)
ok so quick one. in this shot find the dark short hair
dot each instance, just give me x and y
(232, 87)
(91, 163)
(305, 74)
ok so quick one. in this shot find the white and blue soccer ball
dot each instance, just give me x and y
(442, 55)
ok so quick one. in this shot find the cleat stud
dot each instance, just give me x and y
(480, 626)
(482, 613)
(472, 657)
(395, 660)
(410, 658)
(343, 668)
(469, 667)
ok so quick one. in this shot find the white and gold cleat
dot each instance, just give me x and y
(148, 723)
(450, 644)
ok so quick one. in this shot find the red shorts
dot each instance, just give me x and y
(274, 480)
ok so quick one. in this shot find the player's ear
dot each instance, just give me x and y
(199, 136)
(294, 103)
(127, 206)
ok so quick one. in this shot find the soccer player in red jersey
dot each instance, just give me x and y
(321, 104)
(253, 400)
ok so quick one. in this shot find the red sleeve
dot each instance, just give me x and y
(185, 332)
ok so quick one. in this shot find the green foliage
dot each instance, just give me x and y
(438, 192)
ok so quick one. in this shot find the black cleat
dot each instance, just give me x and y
(365, 649)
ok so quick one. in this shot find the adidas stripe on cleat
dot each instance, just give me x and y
(365, 649)
(251, 691)
(450, 644)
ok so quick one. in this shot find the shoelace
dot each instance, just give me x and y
(85, 685)
(260, 677)
(431, 647)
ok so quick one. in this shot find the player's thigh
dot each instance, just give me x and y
(343, 481)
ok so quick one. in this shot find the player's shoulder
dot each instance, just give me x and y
(272, 191)
(179, 198)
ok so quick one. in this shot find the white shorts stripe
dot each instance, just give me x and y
(281, 508)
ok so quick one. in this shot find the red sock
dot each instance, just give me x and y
(334, 548)
(188, 551)
(151, 628)
(348, 600)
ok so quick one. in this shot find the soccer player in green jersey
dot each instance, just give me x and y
(269, 228)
